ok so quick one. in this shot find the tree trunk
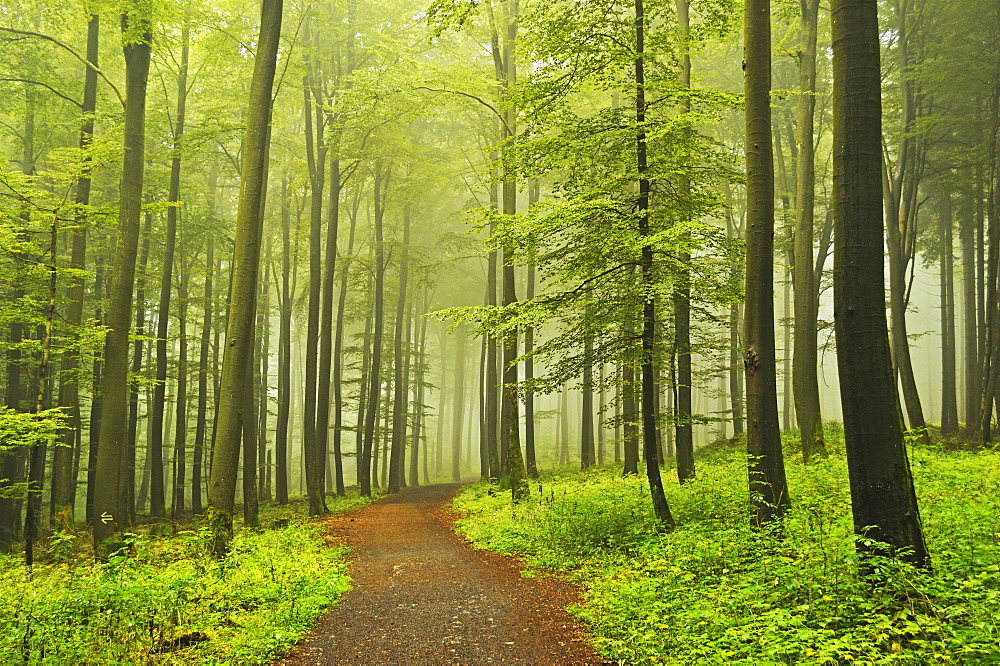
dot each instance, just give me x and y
(458, 410)
(805, 379)
(326, 329)
(660, 507)
(416, 450)
(114, 381)
(883, 499)
(971, 359)
(180, 421)
(400, 405)
(587, 413)
(96, 400)
(949, 383)
(683, 431)
(132, 442)
(246, 259)
(316, 158)
(284, 353)
(899, 191)
(530, 463)
(63, 480)
(768, 489)
(36, 456)
(338, 361)
(156, 424)
(374, 379)
(206, 339)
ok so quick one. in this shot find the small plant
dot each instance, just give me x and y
(716, 591)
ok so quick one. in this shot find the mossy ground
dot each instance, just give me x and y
(714, 591)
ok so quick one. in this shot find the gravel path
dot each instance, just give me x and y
(422, 595)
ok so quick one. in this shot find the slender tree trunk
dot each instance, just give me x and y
(458, 412)
(363, 389)
(338, 361)
(587, 413)
(201, 427)
(316, 158)
(805, 380)
(970, 333)
(374, 380)
(96, 400)
(246, 259)
(416, 450)
(683, 431)
(768, 489)
(530, 463)
(327, 328)
(882, 496)
(401, 390)
(900, 219)
(660, 507)
(63, 480)
(491, 403)
(949, 383)
(132, 443)
(601, 407)
(180, 421)
(263, 400)
(36, 456)
(114, 382)
(631, 417)
(156, 424)
(284, 353)
(510, 439)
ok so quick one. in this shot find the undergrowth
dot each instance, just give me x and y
(167, 601)
(714, 591)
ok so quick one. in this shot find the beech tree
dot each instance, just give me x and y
(882, 495)
(233, 400)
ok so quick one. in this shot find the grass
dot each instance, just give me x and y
(715, 592)
(168, 601)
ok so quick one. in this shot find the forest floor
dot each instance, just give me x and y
(422, 595)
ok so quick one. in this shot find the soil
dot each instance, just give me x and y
(423, 595)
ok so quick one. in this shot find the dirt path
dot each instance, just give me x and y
(422, 595)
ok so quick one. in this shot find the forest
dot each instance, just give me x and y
(692, 307)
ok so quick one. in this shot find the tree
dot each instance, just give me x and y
(108, 512)
(768, 488)
(235, 382)
(804, 376)
(883, 500)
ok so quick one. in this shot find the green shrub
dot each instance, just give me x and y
(168, 601)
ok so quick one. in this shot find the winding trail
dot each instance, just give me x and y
(422, 595)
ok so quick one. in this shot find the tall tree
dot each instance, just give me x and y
(316, 153)
(382, 175)
(647, 368)
(805, 379)
(137, 37)
(400, 406)
(882, 496)
(157, 495)
(201, 424)
(246, 259)
(768, 489)
(683, 430)
(63, 481)
(284, 352)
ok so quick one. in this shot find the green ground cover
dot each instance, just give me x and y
(168, 601)
(713, 591)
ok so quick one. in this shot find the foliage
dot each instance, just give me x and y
(168, 601)
(714, 591)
